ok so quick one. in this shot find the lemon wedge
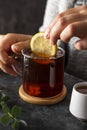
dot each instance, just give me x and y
(41, 46)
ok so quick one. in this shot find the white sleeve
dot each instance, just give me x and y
(50, 12)
(52, 8)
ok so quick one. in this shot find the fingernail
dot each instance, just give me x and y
(15, 48)
(46, 35)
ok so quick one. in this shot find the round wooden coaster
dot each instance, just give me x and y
(42, 101)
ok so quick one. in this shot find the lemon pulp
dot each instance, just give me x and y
(41, 46)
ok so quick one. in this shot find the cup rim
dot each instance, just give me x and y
(41, 58)
(78, 85)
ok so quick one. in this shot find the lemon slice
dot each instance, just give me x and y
(41, 46)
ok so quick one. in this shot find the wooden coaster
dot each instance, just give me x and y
(42, 101)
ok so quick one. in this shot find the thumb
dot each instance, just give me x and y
(17, 47)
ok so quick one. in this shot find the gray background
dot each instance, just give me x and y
(21, 16)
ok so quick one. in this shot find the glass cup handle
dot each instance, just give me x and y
(17, 67)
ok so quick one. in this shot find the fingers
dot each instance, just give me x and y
(47, 32)
(6, 63)
(58, 26)
(17, 47)
(81, 44)
(74, 10)
(66, 21)
(7, 50)
(20, 37)
(12, 43)
(7, 69)
(5, 58)
(12, 38)
(60, 19)
(65, 32)
(75, 29)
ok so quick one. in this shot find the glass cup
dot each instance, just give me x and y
(42, 77)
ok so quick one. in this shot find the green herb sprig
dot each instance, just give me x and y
(10, 115)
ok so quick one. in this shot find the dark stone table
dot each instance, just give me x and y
(53, 117)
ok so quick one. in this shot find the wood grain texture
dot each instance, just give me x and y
(42, 101)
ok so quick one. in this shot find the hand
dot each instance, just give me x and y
(72, 22)
(9, 44)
